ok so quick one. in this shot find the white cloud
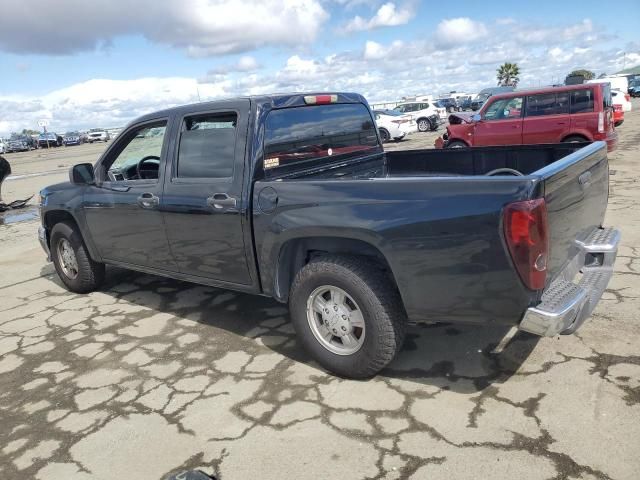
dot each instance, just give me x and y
(200, 27)
(388, 15)
(378, 70)
(457, 31)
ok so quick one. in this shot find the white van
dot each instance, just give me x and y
(617, 83)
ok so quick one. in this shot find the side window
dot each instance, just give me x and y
(207, 146)
(139, 158)
(539, 105)
(425, 106)
(581, 101)
(504, 109)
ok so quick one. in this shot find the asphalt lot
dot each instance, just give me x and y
(152, 376)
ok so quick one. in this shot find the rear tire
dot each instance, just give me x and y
(372, 301)
(574, 139)
(72, 262)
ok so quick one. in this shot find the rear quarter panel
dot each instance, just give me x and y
(442, 237)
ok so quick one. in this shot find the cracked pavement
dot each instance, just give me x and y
(152, 376)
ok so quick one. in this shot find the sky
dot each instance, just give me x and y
(102, 63)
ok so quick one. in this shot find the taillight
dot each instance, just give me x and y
(320, 99)
(527, 235)
(601, 122)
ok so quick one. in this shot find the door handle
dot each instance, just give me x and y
(220, 201)
(148, 200)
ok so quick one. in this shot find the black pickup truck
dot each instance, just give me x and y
(293, 197)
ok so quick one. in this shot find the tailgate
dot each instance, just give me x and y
(576, 190)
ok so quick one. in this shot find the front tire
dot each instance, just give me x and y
(424, 125)
(457, 144)
(384, 135)
(72, 262)
(348, 315)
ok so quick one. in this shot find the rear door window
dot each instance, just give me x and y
(207, 146)
(320, 133)
(581, 101)
(547, 104)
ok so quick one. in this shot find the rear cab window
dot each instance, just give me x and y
(312, 135)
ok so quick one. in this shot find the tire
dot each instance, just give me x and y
(384, 135)
(574, 139)
(617, 124)
(457, 144)
(89, 274)
(366, 288)
(424, 124)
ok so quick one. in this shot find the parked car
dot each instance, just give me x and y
(465, 103)
(618, 115)
(483, 96)
(394, 125)
(297, 200)
(424, 113)
(3, 146)
(634, 87)
(21, 143)
(449, 104)
(49, 139)
(73, 138)
(577, 113)
(622, 99)
(98, 135)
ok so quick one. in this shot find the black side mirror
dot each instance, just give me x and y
(82, 174)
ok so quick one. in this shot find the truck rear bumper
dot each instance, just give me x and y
(573, 295)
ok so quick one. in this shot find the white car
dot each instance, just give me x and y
(3, 146)
(98, 136)
(619, 98)
(426, 114)
(394, 125)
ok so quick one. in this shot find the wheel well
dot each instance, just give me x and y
(295, 254)
(451, 140)
(574, 135)
(57, 216)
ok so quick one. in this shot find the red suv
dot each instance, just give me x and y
(552, 115)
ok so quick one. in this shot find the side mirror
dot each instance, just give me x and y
(476, 117)
(82, 174)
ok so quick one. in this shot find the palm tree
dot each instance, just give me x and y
(508, 75)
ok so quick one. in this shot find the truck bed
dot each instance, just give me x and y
(437, 218)
(526, 159)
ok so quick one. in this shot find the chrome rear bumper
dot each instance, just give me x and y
(574, 294)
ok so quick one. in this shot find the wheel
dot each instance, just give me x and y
(574, 139)
(456, 144)
(348, 315)
(384, 135)
(424, 124)
(617, 124)
(72, 262)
